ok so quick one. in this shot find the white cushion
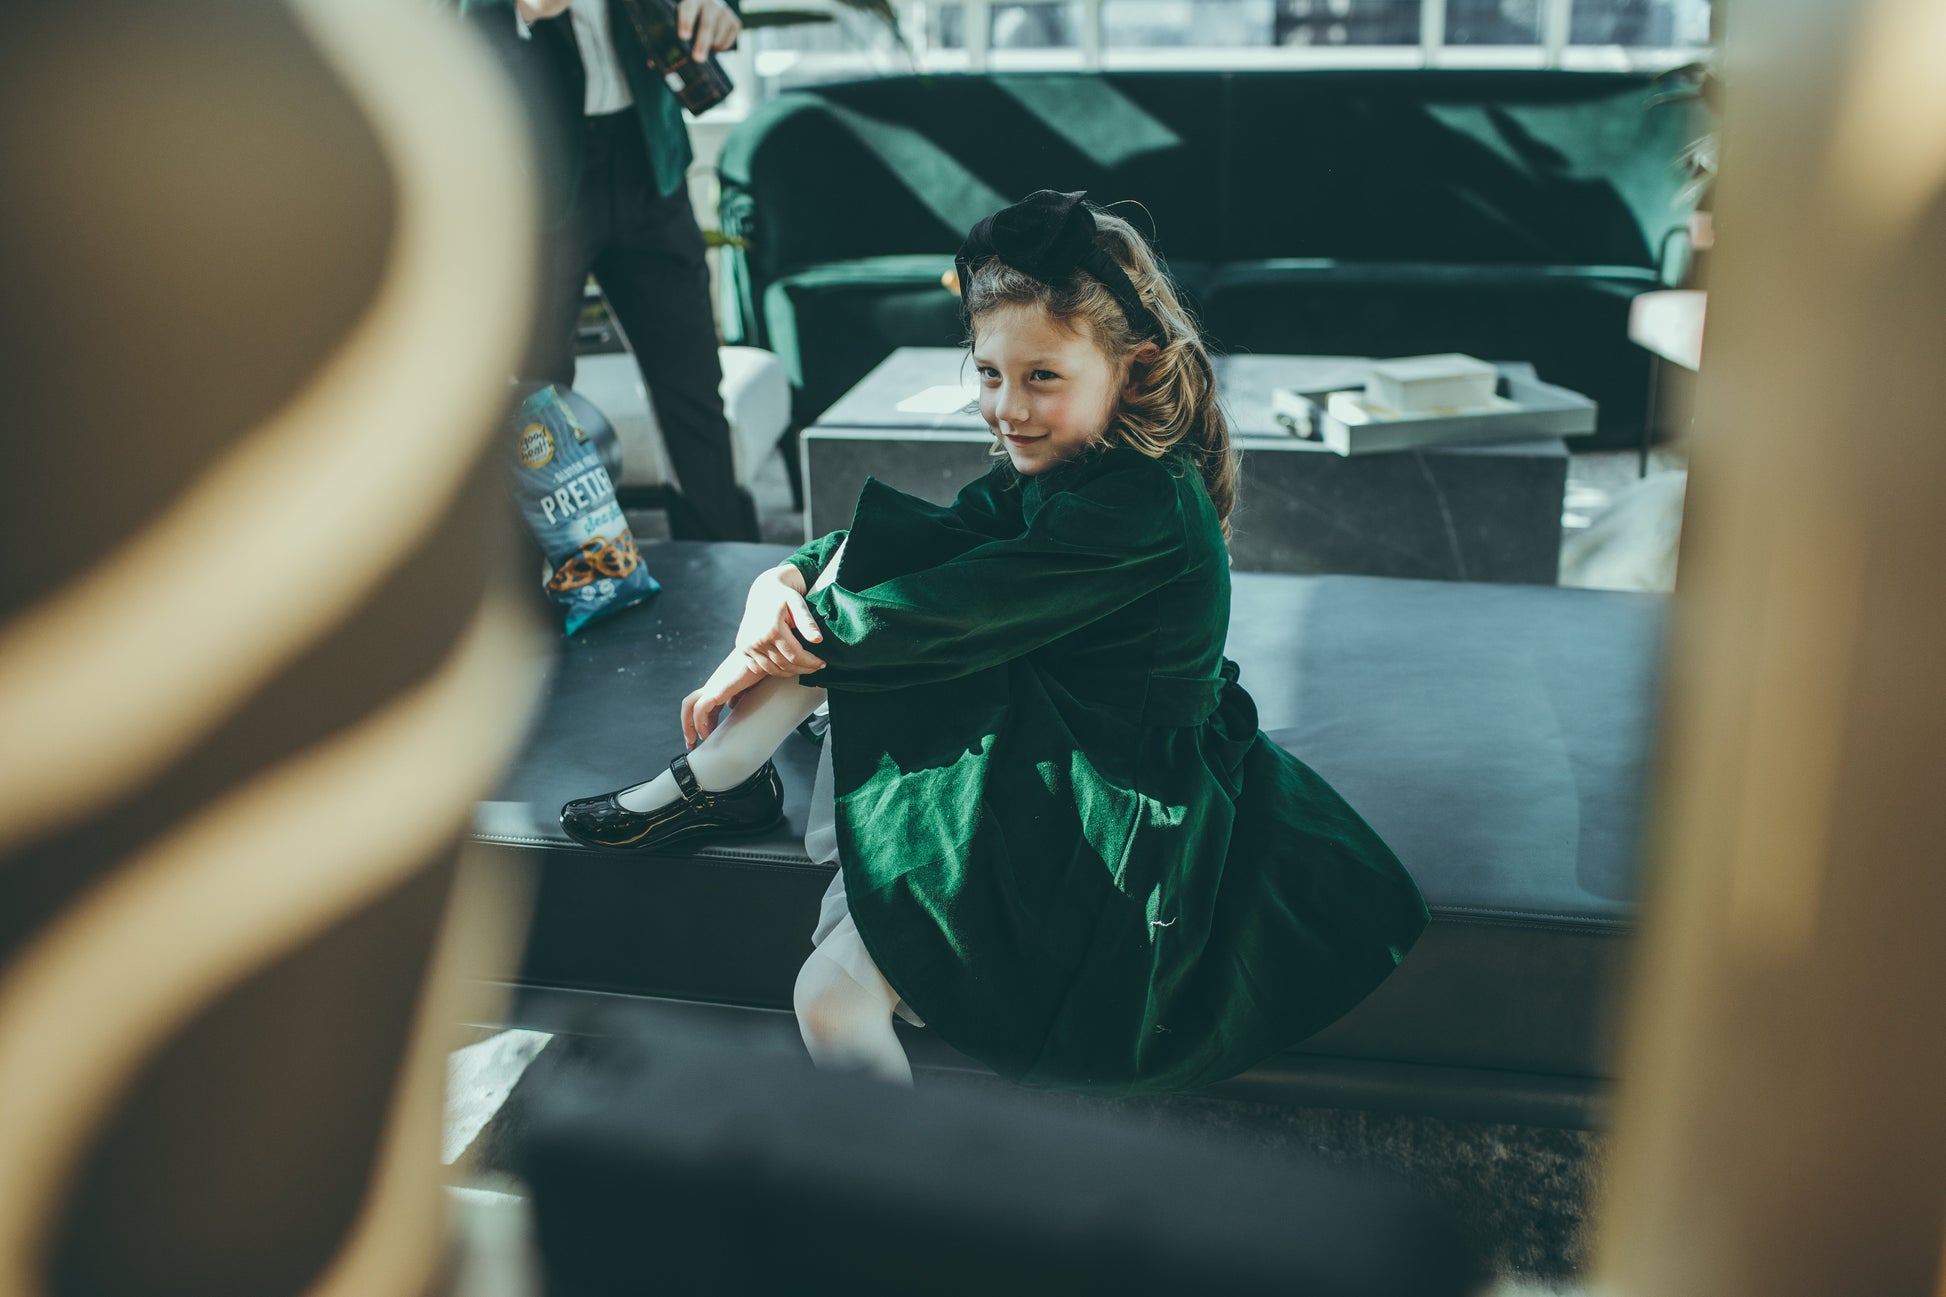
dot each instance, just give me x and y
(756, 400)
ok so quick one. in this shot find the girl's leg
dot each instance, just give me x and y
(738, 747)
(844, 1004)
(844, 1009)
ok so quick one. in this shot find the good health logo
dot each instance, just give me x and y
(536, 445)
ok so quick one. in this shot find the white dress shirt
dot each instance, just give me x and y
(606, 89)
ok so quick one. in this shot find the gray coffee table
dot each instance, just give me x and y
(1472, 513)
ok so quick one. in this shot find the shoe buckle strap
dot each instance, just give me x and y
(685, 777)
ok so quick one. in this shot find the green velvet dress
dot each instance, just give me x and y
(1065, 843)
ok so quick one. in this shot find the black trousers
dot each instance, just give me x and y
(646, 252)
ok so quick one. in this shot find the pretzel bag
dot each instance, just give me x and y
(569, 503)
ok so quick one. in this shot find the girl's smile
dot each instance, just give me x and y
(1046, 391)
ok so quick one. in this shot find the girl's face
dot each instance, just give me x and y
(1046, 391)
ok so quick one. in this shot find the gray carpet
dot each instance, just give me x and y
(1522, 1192)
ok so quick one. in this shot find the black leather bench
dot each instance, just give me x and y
(1496, 735)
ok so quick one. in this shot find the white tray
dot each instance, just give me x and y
(1527, 409)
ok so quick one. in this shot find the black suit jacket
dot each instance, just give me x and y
(546, 66)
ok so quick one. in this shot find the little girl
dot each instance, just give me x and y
(1061, 841)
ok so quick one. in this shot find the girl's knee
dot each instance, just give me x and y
(821, 998)
(845, 1023)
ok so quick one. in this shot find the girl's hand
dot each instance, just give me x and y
(724, 686)
(776, 606)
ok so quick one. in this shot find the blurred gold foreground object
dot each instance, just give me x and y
(1781, 1117)
(234, 924)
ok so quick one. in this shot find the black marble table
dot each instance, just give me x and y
(1465, 513)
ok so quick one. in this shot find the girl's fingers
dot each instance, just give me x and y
(738, 673)
(686, 17)
(689, 719)
(725, 685)
(790, 655)
(786, 657)
(807, 624)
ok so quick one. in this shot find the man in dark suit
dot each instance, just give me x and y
(615, 153)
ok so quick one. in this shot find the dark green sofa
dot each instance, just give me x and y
(1512, 215)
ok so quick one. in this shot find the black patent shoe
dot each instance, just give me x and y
(752, 806)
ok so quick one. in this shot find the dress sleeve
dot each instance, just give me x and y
(810, 560)
(1082, 556)
(990, 505)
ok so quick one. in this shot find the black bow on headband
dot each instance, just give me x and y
(1050, 235)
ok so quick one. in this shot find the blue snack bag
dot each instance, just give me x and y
(569, 503)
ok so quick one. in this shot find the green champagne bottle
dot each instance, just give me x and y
(699, 84)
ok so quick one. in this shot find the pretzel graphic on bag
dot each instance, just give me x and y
(598, 557)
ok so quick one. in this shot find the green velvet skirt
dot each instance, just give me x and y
(1250, 905)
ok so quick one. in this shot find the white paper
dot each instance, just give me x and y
(940, 399)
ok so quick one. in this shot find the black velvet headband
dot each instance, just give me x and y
(1050, 235)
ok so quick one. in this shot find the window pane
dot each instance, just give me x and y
(1036, 26)
(1657, 24)
(1162, 24)
(844, 30)
(785, 55)
(946, 26)
(1493, 22)
(1347, 22)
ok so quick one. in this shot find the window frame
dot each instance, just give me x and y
(1092, 53)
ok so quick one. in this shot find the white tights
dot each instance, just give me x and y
(844, 1009)
(844, 1004)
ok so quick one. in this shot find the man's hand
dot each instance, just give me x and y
(532, 11)
(713, 24)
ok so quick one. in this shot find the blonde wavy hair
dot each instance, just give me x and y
(1175, 402)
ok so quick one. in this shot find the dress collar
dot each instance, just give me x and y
(1069, 473)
